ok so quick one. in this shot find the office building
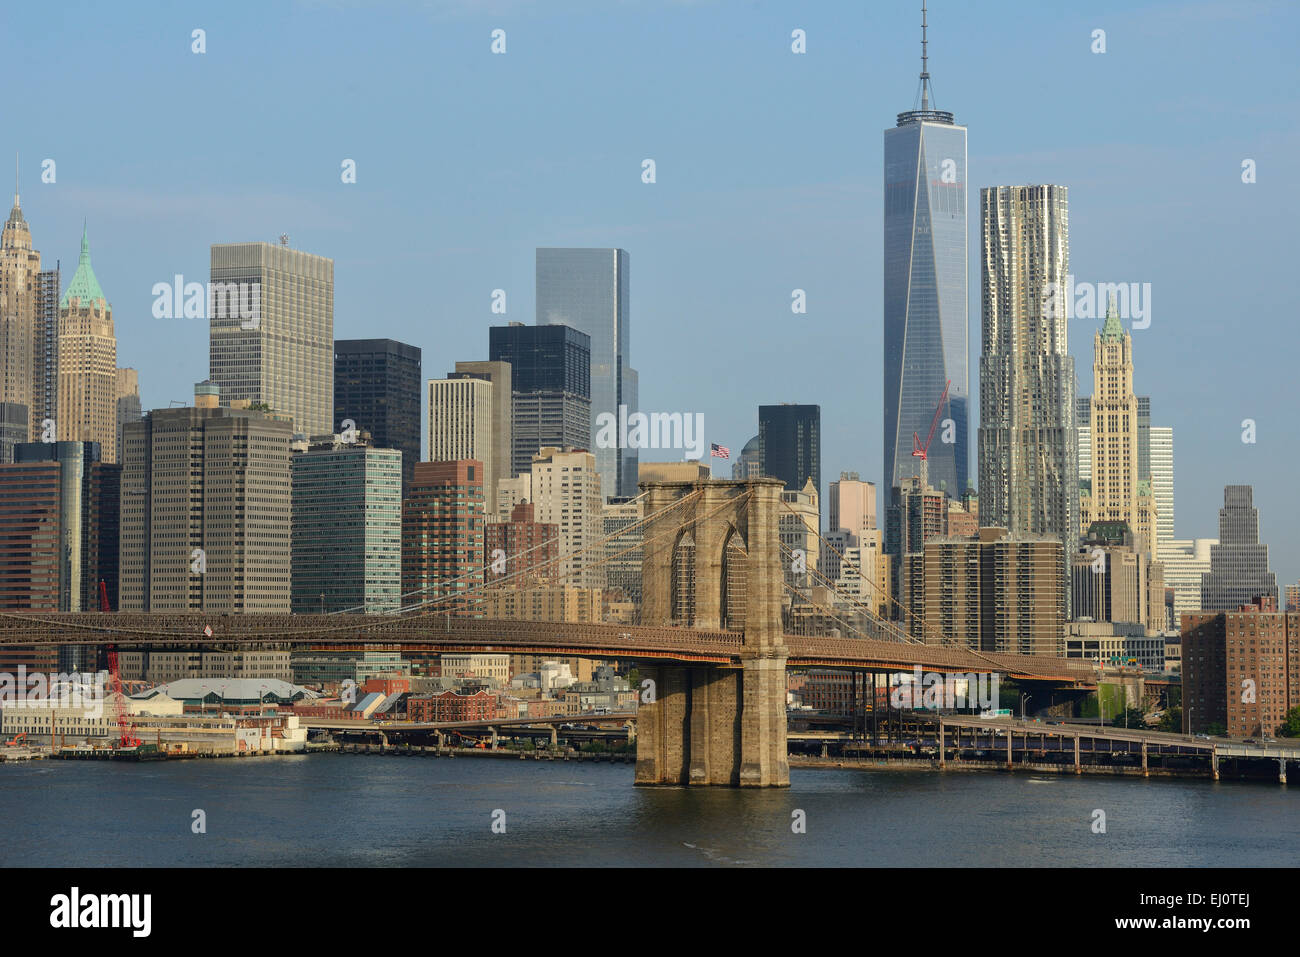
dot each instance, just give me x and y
(1239, 571)
(851, 504)
(377, 386)
(926, 339)
(799, 523)
(347, 528)
(460, 427)
(442, 537)
(1186, 561)
(749, 464)
(550, 373)
(206, 510)
(624, 548)
(1293, 597)
(790, 439)
(20, 270)
(567, 492)
(128, 403)
(497, 465)
(1028, 443)
(271, 339)
(31, 546)
(87, 362)
(1118, 490)
(673, 472)
(588, 290)
(1114, 579)
(45, 358)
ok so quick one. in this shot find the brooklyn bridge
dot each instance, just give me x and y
(714, 639)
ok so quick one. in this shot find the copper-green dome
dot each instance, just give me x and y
(84, 285)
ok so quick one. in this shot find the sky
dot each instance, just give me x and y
(768, 179)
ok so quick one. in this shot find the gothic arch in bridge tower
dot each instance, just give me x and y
(683, 579)
(733, 580)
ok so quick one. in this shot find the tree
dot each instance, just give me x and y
(1129, 718)
(1172, 720)
(1216, 729)
(1291, 729)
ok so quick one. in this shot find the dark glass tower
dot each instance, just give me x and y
(550, 369)
(377, 386)
(790, 440)
(926, 337)
(587, 289)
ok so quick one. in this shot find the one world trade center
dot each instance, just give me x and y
(925, 307)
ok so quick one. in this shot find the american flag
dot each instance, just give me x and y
(717, 451)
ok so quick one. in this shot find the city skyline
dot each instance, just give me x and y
(1183, 351)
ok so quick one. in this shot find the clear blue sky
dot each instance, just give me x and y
(769, 178)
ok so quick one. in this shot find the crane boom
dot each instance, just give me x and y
(920, 451)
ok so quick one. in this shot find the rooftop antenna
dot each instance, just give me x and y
(925, 69)
(284, 239)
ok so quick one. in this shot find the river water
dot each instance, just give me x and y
(332, 810)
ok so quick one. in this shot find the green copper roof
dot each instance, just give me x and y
(1112, 329)
(84, 285)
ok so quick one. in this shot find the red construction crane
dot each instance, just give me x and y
(124, 737)
(920, 451)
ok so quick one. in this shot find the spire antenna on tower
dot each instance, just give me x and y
(15, 177)
(925, 65)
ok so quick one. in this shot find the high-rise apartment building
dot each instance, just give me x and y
(1028, 443)
(1293, 597)
(1112, 493)
(996, 593)
(497, 466)
(567, 492)
(1225, 651)
(521, 549)
(377, 386)
(347, 528)
(87, 362)
(926, 339)
(1239, 570)
(461, 419)
(588, 290)
(271, 340)
(550, 372)
(206, 510)
(790, 437)
(442, 538)
(20, 269)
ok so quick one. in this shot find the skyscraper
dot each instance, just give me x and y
(20, 268)
(1028, 443)
(790, 440)
(128, 403)
(45, 358)
(206, 509)
(587, 289)
(1162, 482)
(377, 386)
(347, 528)
(926, 341)
(1239, 570)
(550, 372)
(271, 320)
(497, 465)
(567, 493)
(1115, 490)
(442, 538)
(460, 427)
(87, 362)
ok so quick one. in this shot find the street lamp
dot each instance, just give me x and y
(1023, 696)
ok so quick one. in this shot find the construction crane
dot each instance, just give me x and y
(125, 739)
(922, 452)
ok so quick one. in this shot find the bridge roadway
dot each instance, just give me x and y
(395, 727)
(442, 633)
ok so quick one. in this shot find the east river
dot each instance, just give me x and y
(335, 810)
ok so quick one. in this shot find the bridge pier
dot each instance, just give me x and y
(1078, 768)
(942, 742)
(1145, 771)
(494, 738)
(1214, 763)
(555, 737)
(1281, 770)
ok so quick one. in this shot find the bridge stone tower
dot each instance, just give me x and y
(714, 562)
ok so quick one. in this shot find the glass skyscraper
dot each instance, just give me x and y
(925, 300)
(377, 385)
(790, 444)
(587, 289)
